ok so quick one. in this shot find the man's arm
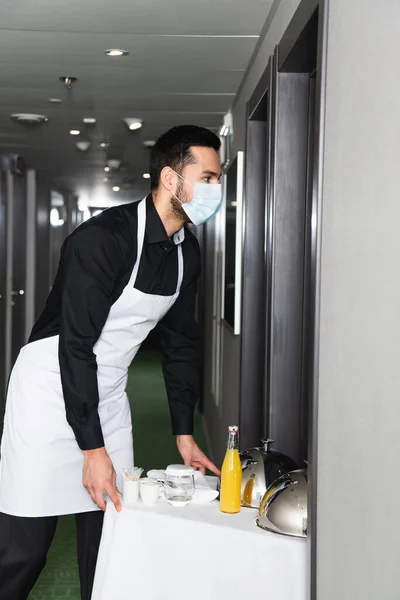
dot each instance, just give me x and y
(91, 262)
(180, 347)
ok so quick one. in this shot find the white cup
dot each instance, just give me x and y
(130, 493)
(149, 491)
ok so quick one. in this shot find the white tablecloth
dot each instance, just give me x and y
(196, 553)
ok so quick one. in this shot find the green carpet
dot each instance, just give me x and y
(154, 448)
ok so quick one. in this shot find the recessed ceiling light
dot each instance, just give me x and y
(146, 175)
(149, 143)
(114, 163)
(133, 123)
(116, 52)
(106, 169)
(105, 179)
(74, 132)
(29, 118)
(55, 101)
(116, 188)
(89, 121)
(83, 146)
(104, 145)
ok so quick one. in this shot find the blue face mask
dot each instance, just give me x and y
(207, 200)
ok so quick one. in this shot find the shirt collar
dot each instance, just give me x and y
(155, 230)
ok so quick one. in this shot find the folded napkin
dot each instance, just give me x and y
(203, 493)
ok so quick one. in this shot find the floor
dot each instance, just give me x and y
(154, 448)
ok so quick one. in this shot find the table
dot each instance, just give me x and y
(196, 553)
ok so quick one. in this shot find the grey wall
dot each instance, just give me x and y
(3, 246)
(72, 211)
(358, 525)
(31, 225)
(57, 237)
(42, 243)
(218, 416)
(277, 22)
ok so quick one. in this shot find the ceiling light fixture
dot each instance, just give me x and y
(149, 143)
(224, 131)
(227, 126)
(116, 188)
(104, 145)
(74, 132)
(146, 175)
(114, 163)
(83, 146)
(133, 123)
(29, 118)
(116, 52)
(55, 101)
(105, 179)
(89, 121)
(106, 169)
(68, 81)
(55, 219)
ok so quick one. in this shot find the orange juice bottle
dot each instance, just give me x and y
(231, 475)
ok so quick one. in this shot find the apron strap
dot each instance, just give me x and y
(140, 239)
(180, 268)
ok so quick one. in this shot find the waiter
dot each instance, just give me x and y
(67, 431)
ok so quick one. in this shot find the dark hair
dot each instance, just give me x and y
(172, 149)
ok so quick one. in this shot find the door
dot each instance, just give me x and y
(308, 270)
(14, 206)
(253, 422)
(288, 345)
(18, 275)
(2, 289)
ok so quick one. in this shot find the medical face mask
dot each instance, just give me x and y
(206, 202)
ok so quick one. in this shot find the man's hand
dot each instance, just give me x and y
(99, 477)
(193, 456)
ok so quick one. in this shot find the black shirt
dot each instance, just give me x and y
(96, 263)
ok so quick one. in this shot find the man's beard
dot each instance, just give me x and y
(176, 206)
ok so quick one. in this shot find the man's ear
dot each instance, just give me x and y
(168, 179)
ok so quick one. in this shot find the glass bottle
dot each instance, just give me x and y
(231, 475)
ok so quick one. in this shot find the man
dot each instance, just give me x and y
(68, 431)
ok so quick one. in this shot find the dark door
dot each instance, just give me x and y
(288, 346)
(18, 265)
(308, 270)
(253, 423)
(2, 290)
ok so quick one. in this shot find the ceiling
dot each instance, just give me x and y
(186, 61)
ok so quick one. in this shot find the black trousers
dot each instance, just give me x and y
(24, 543)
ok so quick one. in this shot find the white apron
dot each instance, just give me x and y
(41, 463)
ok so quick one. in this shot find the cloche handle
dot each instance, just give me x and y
(267, 443)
